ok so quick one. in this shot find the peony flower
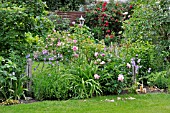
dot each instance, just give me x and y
(75, 48)
(102, 63)
(128, 65)
(74, 41)
(120, 77)
(102, 54)
(76, 55)
(59, 44)
(96, 54)
(96, 76)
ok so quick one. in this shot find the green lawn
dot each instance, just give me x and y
(144, 103)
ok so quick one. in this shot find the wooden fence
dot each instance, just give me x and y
(72, 16)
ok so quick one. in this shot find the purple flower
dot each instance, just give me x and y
(45, 52)
(44, 59)
(28, 56)
(133, 62)
(50, 59)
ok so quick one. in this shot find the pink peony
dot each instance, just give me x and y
(75, 48)
(120, 77)
(76, 55)
(96, 76)
(74, 41)
(59, 44)
(102, 54)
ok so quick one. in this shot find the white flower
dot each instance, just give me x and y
(102, 62)
(125, 13)
(73, 22)
(128, 65)
(96, 54)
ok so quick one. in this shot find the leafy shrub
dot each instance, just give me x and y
(64, 5)
(150, 22)
(11, 83)
(59, 22)
(158, 79)
(23, 26)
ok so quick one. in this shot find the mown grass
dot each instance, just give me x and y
(144, 103)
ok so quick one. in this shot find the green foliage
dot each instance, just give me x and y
(150, 22)
(22, 26)
(11, 83)
(64, 5)
(105, 20)
(52, 83)
(59, 22)
(158, 79)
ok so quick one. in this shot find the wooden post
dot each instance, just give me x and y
(29, 74)
(134, 74)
